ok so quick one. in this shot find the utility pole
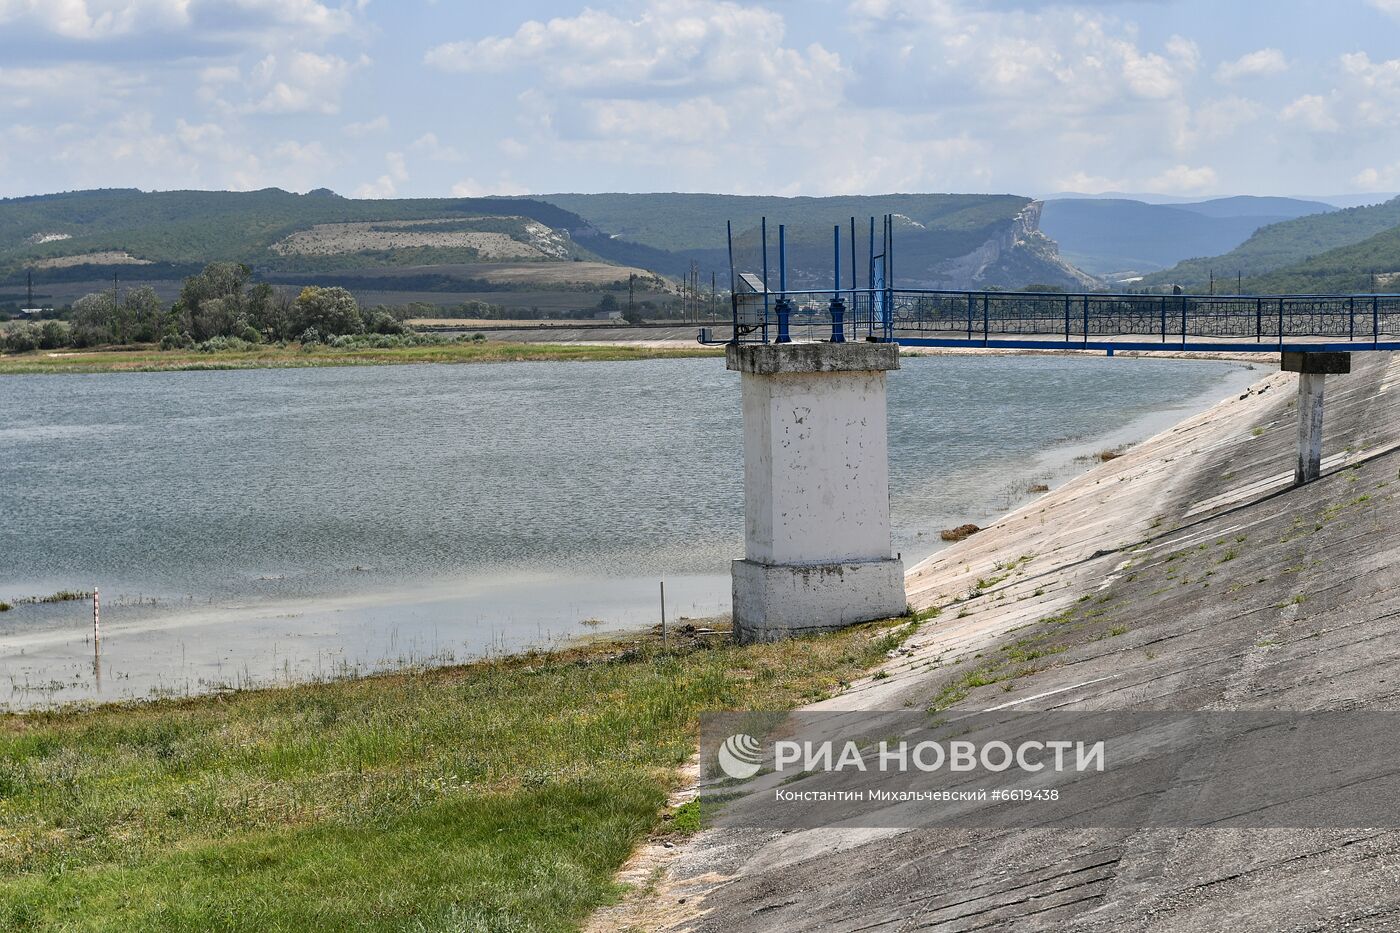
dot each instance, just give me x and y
(712, 294)
(1212, 281)
(631, 294)
(29, 282)
(1239, 282)
(695, 287)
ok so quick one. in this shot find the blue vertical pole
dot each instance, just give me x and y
(782, 260)
(1375, 320)
(870, 316)
(838, 307)
(855, 270)
(784, 307)
(888, 315)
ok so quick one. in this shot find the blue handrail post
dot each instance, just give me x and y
(1375, 321)
(1164, 318)
(838, 307)
(1351, 318)
(1067, 299)
(1258, 320)
(971, 300)
(783, 307)
(1086, 320)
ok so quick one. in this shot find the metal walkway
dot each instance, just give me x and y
(1040, 320)
(1052, 320)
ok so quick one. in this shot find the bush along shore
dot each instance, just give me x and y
(497, 796)
(222, 320)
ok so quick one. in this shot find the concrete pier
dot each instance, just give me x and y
(816, 489)
(1312, 370)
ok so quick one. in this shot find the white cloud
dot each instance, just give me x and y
(470, 188)
(1183, 179)
(1387, 177)
(95, 19)
(1312, 111)
(299, 82)
(77, 88)
(429, 146)
(101, 20)
(1215, 120)
(1255, 64)
(379, 124)
(1090, 184)
(386, 185)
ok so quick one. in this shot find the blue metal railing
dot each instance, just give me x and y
(917, 317)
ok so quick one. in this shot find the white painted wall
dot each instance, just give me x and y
(816, 467)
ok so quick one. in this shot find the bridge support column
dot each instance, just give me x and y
(816, 489)
(1312, 370)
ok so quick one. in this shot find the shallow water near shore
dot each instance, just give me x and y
(250, 527)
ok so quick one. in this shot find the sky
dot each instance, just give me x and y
(419, 98)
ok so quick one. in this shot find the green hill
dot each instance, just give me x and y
(1372, 264)
(84, 237)
(125, 227)
(1281, 245)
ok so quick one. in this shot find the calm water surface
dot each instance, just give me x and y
(247, 526)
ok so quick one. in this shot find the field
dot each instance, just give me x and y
(498, 238)
(499, 796)
(272, 357)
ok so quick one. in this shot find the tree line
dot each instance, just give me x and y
(216, 304)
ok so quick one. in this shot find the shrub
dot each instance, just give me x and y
(20, 339)
(223, 344)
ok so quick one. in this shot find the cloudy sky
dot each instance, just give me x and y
(813, 97)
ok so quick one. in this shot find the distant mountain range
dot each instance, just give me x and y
(941, 240)
(944, 240)
(1120, 238)
(548, 252)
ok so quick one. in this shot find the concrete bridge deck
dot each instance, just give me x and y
(1200, 578)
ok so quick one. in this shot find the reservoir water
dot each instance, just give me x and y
(253, 526)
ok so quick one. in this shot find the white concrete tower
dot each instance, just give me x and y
(816, 489)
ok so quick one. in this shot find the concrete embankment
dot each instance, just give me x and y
(1197, 577)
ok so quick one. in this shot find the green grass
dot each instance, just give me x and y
(497, 796)
(272, 357)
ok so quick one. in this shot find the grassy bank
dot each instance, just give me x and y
(499, 796)
(271, 357)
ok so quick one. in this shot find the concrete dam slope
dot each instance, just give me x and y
(1189, 574)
